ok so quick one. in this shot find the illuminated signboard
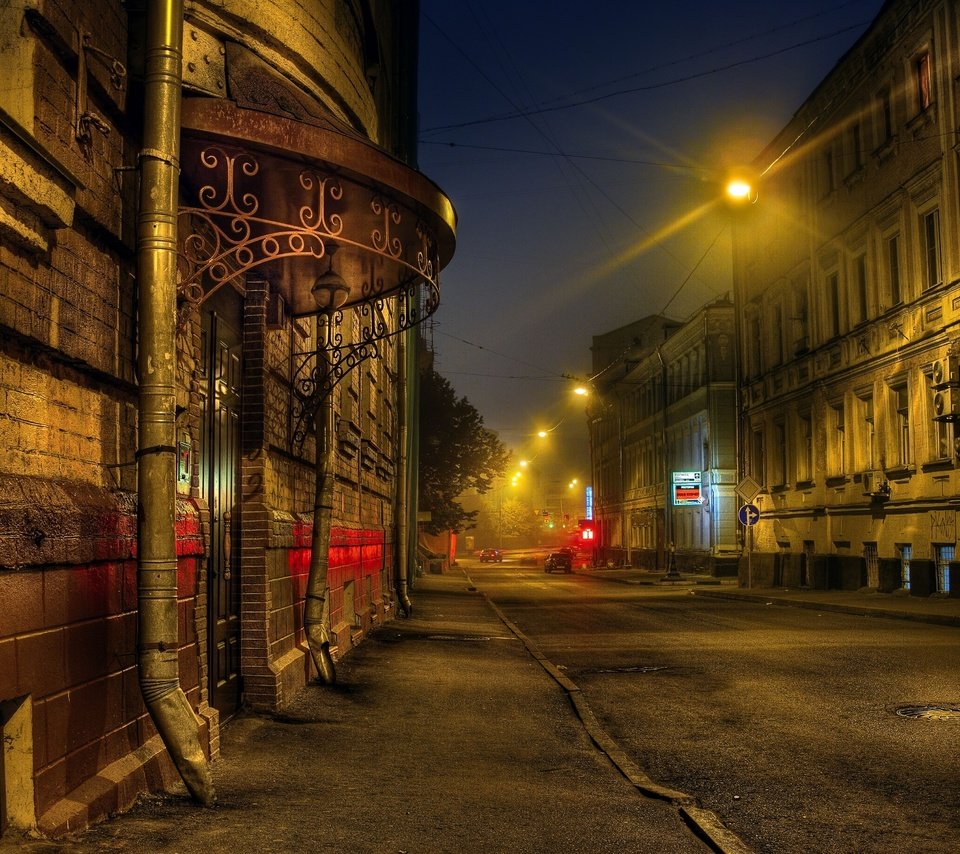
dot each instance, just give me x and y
(686, 488)
(589, 494)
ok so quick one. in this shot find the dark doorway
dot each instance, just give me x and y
(221, 377)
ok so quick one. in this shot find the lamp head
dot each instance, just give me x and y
(330, 291)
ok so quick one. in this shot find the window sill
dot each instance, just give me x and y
(922, 119)
(900, 472)
(855, 177)
(835, 480)
(944, 464)
(886, 149)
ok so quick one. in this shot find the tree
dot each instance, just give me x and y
(457, 453)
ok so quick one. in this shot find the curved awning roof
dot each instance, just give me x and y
(293, 198)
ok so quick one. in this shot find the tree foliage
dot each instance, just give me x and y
(457, 453)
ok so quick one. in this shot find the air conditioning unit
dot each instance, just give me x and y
(946, 404)
(946, 371)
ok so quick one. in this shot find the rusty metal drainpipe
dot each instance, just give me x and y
(403, 482)
(315, 604)
(156, 476)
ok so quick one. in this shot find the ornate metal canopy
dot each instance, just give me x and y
(263, 190)
(314, 207)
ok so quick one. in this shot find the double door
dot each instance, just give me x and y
(221, 382)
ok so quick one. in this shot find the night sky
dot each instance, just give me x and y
(575, 221)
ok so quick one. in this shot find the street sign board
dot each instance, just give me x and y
(685, 495)
(748, 489)
(748, 514)
(686, 488)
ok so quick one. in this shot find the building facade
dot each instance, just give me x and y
(295, 150)
(663, 443)
(847, 281)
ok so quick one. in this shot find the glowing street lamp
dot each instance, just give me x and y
(741, 189)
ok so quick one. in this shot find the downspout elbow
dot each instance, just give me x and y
(177, 726)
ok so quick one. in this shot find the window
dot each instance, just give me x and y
(833, 305)
(856, 147)
(780, 449)
(902, 406)
(801, 343)
(893, 270)
(860, 288)
(839, 438)
(943, 555)
(872, 559)
(930, 238)
(906, 554)
(805, 448)
(868, 443)
(757, 466)
(828, 180)
(886, 116)
(921, 70)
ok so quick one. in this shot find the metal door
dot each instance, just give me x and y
(219, 484)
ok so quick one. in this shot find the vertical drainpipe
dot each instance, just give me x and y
(413, 447)
(156, 474)
(314, 606)
(403, 480)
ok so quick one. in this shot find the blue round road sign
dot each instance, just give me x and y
(749, 514)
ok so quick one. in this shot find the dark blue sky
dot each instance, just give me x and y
(562, 212)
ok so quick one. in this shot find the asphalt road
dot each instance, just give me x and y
(782, 721)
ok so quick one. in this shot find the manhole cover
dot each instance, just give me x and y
(932, 713)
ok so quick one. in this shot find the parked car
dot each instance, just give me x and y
(561, 561)
(491, 556)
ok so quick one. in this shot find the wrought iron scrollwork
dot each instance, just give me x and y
(319, 372)
(251, 209)
(229, 231)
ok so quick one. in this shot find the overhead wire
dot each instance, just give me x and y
(646, 88)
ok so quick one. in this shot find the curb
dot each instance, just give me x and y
(702, 822)
(836, 607)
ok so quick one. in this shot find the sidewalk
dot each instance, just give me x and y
(442, 734)
(942, 611)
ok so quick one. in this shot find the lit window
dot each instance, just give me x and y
(906, 553)
(943, 555)
(869, 433)
(930, 228)
(922, 72)
(902, 402)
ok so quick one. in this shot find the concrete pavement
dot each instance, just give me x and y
(442, 734)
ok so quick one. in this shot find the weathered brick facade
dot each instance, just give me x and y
(81, 741)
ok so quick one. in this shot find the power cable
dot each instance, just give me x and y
(647, 88)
